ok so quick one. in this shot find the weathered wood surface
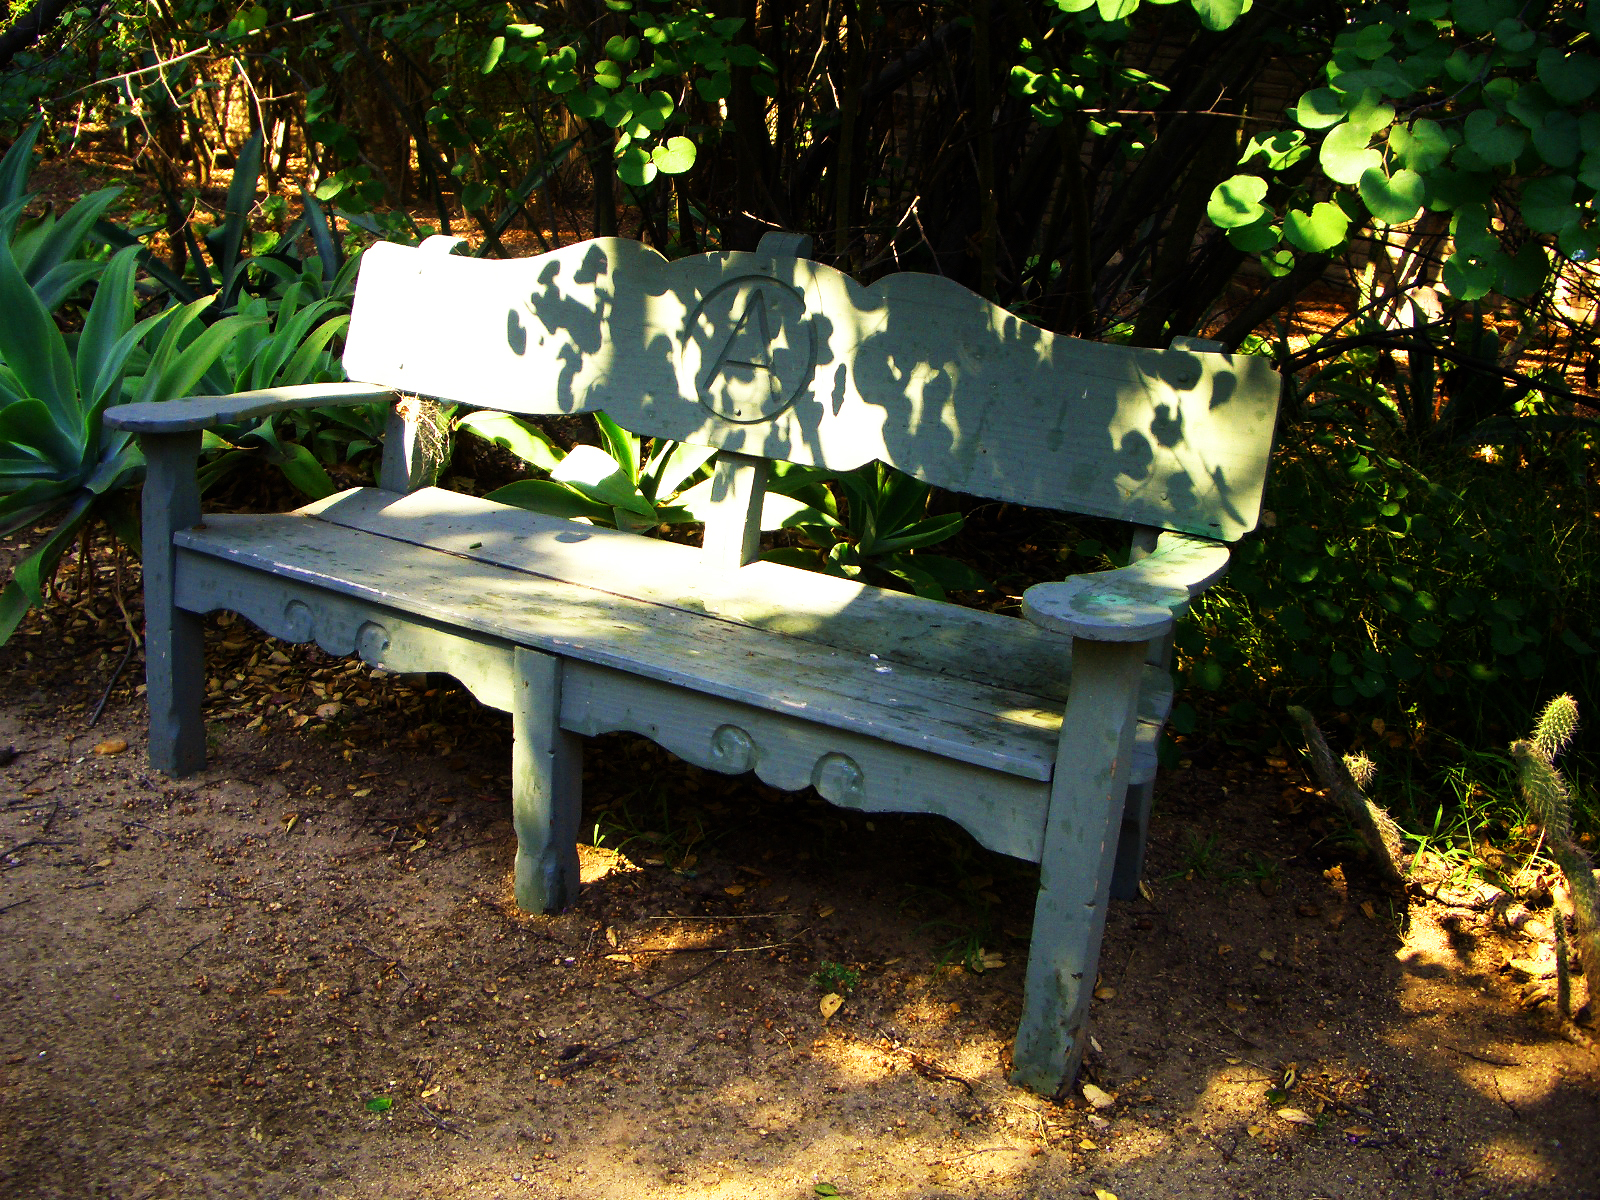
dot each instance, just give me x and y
(777, 357)
(836, 613)
(788, 749)
(958, 718)
(202, 412)
(1087, 798)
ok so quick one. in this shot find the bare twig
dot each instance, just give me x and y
(111, 683)
(441, 1123)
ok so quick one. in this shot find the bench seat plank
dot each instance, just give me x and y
(998, 728)
(824, 609)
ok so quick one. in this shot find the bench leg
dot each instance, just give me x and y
(546, 787)
(1131, 841)
(174, 641)
(1080, 846)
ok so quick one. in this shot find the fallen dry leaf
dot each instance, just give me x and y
(1296, 1116)
(1105, 993)
(1368, 911)
(735, 889)
(1098, 1097)
(830, 1004)
(825, 911)
(112, 746)
(1102, 1194)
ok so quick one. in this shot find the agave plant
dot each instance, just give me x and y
(57, 461)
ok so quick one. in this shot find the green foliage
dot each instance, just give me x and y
(1474, 108)
(879, 535)
(633, 483)
(835, 977)
(1551, 805)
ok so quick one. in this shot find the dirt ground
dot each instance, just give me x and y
(301, 974)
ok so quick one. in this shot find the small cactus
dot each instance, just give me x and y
(1346, 782)
(1550, 805)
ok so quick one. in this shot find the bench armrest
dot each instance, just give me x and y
(1136, 603)
(201, 412)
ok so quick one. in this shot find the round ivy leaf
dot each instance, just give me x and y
(1344, 154)
(635, 167)
(1497, 144)
(1217, 15)
(1468, 278)
(1513, 35)
(1589, 173)
(1420, 146)
(1393, 199)
(1558, 140)
(1323, 228)
(675, 156)
(1257, 236)
(1579, 244)
(1529, 268)
(1370, 114)
(1319, 109)
(1547, 204)
(1278, 264)
(654, 110)
(1236, 202)
(1569, 78)
(1117, 10)
(1480, 16)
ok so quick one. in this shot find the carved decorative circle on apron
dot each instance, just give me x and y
(750, 349)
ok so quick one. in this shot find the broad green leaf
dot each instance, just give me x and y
(525, 31)
(594, 473)
(552, 499)
(1217, 15)
(1569, 77)
(1393, 199)
(1480, 16)
(1344, 154)
(622, 445)
(1511, 34)
(527, 441)
(30, 426)
(675, 156)
(1236, 202)
(1281, 150)
(1472, 233)
(635, 167)
(33, 347)
(654, 110)
(17, 163)
(1496, 143)
(1529, 269)
(1421, 145)
(1323, 228)
(1370, 113)
(1558, 139)
(622, 49)
(678, 464)
(1547, 204)
(491, 59)
(110, 316)
(1319, 109)
(26, 586)
(301, 468)
(1262, 234)
(1117, 10)
(1468, 278)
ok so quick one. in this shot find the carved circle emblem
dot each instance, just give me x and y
(750, 349)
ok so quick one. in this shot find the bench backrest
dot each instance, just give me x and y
(778, 357)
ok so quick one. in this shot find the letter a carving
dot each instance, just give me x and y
(747, 347)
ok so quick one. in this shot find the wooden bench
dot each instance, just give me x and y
(1037, 736)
